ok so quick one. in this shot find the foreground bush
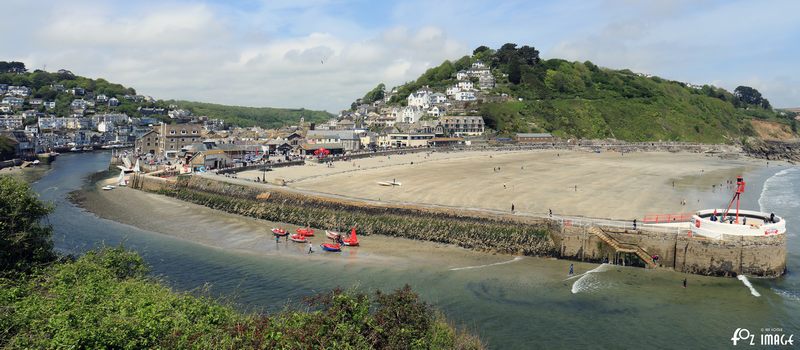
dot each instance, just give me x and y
(105, 300)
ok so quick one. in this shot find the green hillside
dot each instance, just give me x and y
(580, 99)
(48, 87)
(253, 116)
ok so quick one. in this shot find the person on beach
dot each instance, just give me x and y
(684, 283)
(571, 269)
(310, 248)
(277, 239)
(634, 224)
(512, 207)
(550, 212)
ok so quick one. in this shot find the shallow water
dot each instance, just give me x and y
(510, 302)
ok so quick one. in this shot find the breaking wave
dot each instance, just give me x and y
(749, 285)
(587, 281)
(516, 258)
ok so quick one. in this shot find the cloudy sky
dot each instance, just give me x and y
(323, 54)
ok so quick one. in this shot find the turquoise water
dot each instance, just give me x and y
(525, 303)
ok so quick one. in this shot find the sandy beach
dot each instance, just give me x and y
(607, 184)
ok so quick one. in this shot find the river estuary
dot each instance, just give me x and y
(511, 302)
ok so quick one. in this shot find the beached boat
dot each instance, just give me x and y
(331, 247)
(75, 149)
(279, 232)
(121, 180)
(332, 234)
(108, 188)
(389, 183)
(295, 237)
(306, 231)
(353, 240)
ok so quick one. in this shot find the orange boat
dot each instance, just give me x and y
(279, 232)
(296, 237)
(353, 240)
(306, 231)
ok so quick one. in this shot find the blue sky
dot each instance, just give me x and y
(323, 54)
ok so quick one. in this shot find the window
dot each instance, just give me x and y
(172, 132)
(148, 144)
(183, 132)
(172, 147)
(194, 131)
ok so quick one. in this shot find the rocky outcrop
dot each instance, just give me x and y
(773, 150)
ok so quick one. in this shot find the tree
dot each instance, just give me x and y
(507, 53)
(480, 49)
(514, 72)
(748, 95)
(375, 94)
(24, 241)
(528, 54)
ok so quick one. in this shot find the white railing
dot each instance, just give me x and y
(581, 221)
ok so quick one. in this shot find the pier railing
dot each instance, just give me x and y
(580, 221)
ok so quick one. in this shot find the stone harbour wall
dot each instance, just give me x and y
(755, 256)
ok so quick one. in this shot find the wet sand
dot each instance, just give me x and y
(604, 184)
(217, 229)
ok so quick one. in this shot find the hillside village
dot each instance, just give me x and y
(71, 118)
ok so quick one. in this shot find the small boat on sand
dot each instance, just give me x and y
(331, 247)
(298, 238)
(279, 232)
(389, 183)
(306, 231)
(332, 234)
(108, 188)
(353, 240)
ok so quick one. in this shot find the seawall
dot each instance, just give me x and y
(479, 230)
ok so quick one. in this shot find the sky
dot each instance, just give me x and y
(323, 54)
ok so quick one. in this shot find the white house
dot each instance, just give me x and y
(465, 85)
(11, 122)
(462, 75)
(22, 91)
(451, 91)
(79, 104)
(13, 101)
(478, 65)
(435, 111)
(101, 98)
(438, 97)
(410, 114)
(465, 96)
(50, 104)
(420, 99)
(113, 102)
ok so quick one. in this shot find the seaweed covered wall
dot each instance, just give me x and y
(490, 232)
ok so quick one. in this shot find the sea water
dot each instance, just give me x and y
(512, 303)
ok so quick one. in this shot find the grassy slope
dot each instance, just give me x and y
(579, 99)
